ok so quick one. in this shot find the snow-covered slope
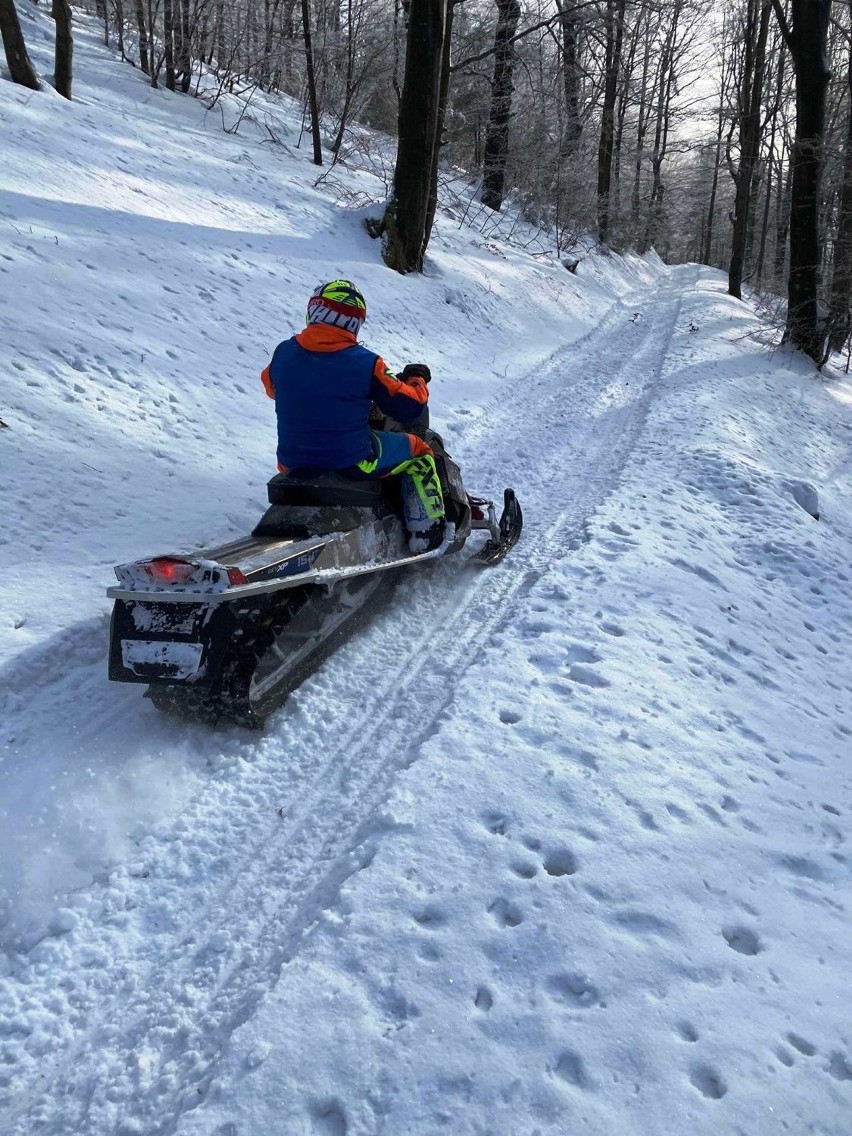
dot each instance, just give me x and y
(560, 847)
(150, 263)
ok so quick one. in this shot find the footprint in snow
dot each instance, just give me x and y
(802, 1044)
(742, 940)
(430, 952)
(509, 717)
(483, 999)
(645, 923)
(431, 917)
(328, 1119)
(708, 1081)
(569, 1068)
(678, 813)
(801, 866)
(839, 1067)
(560, 862)
(586, 676)
(572, 990)
(505, 913)
(496, 823)
(612, 628)
(618, 529)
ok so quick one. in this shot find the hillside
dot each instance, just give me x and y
(558, 847)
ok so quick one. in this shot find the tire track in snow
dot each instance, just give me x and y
(156, 984)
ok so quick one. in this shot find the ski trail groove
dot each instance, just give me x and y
(132, 1040)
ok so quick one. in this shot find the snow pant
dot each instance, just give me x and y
(411, 458)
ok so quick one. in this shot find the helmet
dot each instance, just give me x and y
(338, 303)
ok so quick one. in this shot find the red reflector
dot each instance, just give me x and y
(166, 570)
(236, 576)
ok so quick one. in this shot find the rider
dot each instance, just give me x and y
(324, 384)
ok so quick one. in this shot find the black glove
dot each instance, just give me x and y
(415, 371)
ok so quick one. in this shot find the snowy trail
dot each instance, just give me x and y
(122, 1019)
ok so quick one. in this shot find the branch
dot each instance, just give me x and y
(505, 43)
(520, 35)
(783, 25)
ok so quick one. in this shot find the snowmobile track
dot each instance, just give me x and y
(262, 852)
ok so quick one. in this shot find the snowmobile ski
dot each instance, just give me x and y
(507, 533)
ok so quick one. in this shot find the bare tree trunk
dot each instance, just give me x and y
(119, 24)
(806, 41)
(770, 167)
(102, 13)
(443, 99)
(840, 301)
(351, 85)
(764, 226)
(751, 90)
(624, 99)
(184, 46)
(17, 59)
(706, 252)
(642, 116)
(500, 111)
(63, 58)
(405, 218)
(665, 84)
(152, 7)
(220, 33)
(782, 221)
(169, 42)
(571, 77)
(143, 37)
(312, 83)
(614, 38)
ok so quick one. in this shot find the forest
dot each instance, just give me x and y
(713, 131)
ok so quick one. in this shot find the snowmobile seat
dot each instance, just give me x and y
(309, 487)
(298, 522)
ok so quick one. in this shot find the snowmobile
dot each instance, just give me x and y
(227, 634)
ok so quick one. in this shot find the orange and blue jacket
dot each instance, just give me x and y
(323, 382)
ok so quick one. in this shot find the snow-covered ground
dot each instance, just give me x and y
(558, 847)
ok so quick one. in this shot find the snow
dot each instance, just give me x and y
(555, 847)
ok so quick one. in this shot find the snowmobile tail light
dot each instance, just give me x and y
(169, 570)
(236, 576)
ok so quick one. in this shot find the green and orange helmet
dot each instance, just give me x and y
(338, 303)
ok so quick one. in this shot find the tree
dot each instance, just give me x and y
(497, 136)
(406, 215)
(571, 76)
(665, 85)
(64, 48)
(614, 25)
(443, 99)
(840, 303)
(749, 118)
(17, 59)
(312, 85)
(142, 32)
(806, 41)
(169, 44)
